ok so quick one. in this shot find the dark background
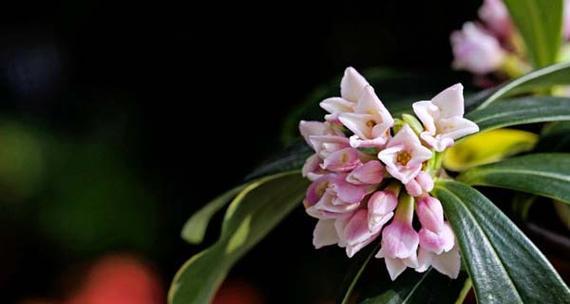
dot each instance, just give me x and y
(163, 105)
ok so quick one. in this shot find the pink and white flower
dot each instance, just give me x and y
(370, 122)
(496, 16)
(448, 263)
(381, 206)
(355, 233)
(437, 240)
(331, 196)
(352, 86)
(475, 50)
(371, 172)
(399, 240)
(421, 184)
(404, 155)
(442, 118)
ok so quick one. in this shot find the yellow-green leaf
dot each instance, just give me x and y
(488, 147)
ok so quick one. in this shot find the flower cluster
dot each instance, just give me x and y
(493, 45)
(371, 171)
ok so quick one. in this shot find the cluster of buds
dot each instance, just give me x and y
(493, 44)
(371, 171)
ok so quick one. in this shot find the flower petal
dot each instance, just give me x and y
(426, 111)
(395, 267)
(336, 105)
(352, 84)
(342, 160)
(370, 173)
(448, 263)
(324, 234)
(430, 213)
(399, 240)
(450, 101)
(457, 127)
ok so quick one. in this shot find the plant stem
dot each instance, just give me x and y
(464, 291)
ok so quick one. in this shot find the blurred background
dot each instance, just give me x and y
(118, 120)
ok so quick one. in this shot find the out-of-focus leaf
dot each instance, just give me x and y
(195, 228)
(251, 215)
(487, 147)
(555, 137)
(291, 158)
(540, 24)
(545, 174)
(556, 74)
(94, 202)
(22, 161)
(520, 111)
(505, 266)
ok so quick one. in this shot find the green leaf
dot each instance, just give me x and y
(505, 266)
(556, 74)
(428, 287)
(545, 174)
(487, 147)
(291, 158)
(195, 228)
(540, 25)
(555, 137)
(251, 215)
(521, 111)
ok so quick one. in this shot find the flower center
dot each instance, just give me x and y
(322, 188)
(344, 158)
(371, 123)
(403, 157)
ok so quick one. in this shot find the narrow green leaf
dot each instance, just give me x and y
(428, 287)
(545, 174)
(353, 276)
(195, 228)
(521, 111)
(556, 74)
(502, 262)
(292, 158)
(540, 25)
(249, 218)
(487, 147)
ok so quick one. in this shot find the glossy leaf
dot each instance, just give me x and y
(195, 228)
(504, 265)
(545, 174)
(540, 24)
(251, 215)
(521, 111)
(487, 147)
(556, 74)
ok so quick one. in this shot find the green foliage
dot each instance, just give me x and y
(251, 215)
(547, 77)
(520, 111)
(545, 174)
(540, 25)
(502, 262)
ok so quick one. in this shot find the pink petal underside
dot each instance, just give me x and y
(430, 213)
(324, 234)
(399, 240)
(342, 160)
(370, 173)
